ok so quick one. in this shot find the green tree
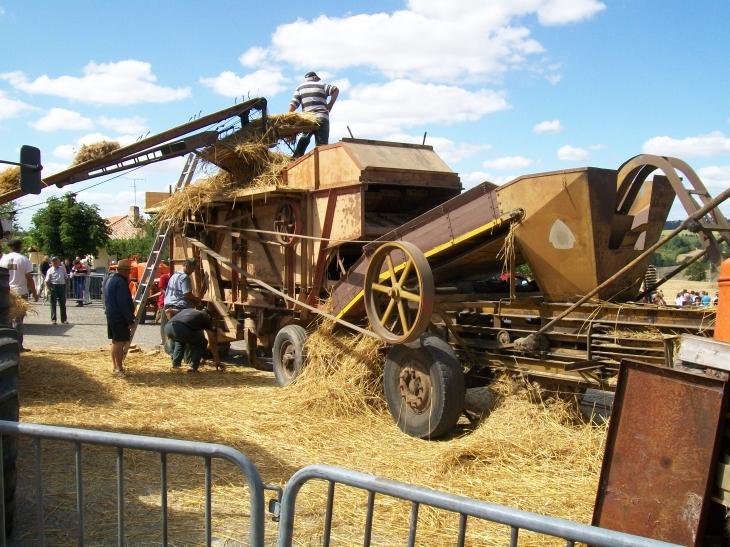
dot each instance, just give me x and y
(68, 228)
(139, 246)
(697, 271)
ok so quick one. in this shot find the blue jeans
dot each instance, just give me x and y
(321, 137)
(186, 342)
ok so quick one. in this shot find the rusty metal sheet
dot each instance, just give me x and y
(661, 453)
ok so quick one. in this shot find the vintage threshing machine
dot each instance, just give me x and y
(383, 230)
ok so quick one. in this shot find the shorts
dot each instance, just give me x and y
(118, 332)
(174, 307)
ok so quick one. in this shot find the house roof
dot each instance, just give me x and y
(122, 227)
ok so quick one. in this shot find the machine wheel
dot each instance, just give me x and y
(399, 292)
(424, 387)
(288, 222)
(289, 354)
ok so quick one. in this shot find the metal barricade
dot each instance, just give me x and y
(516, 519)
(136, 442)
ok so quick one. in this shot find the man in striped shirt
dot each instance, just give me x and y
(312, 96)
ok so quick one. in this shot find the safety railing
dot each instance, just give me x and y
(516, 519)
(84, 288)
(121, 442)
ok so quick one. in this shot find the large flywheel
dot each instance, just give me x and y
(399, 292)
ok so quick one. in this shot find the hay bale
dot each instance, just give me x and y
(93, 151)
(193, 198)
(20, 307)
(9, 180)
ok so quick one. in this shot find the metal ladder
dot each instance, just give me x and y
(153, 262)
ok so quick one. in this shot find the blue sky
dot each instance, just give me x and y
(503, 88)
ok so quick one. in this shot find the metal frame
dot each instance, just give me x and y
(516, 519)
(121, 441)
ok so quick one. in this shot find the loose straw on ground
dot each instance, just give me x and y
(530, 451)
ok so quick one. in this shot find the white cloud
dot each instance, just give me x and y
(508, 162)
(123, 83)
(469, 180)
(448, 150)
(712, 144)
(263, 82)
(135, 124)
(68, 151)
(715, 176)
(9, 108)
(254, 57)
(570, 153)
(60, 118)
(597, 147)
(382, 109)
(554, 78)
(560, 12)
(548, 127)
(430, 40)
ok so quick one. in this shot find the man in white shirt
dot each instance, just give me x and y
(20, 273)
(56, 278)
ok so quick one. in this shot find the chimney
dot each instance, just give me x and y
(134, 214)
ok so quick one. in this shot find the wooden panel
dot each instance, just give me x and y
(347, 223)
(257, 261)
(336, 168)
(705, 351)
(301, 174)
(153, 199)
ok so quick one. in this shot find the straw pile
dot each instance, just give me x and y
(343, 376)
(245, 160)
(9, 180)
(93, 151)
(531, 452)
(20, 307)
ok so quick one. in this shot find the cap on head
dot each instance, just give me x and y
(15, 242)
(311, 74)
(124, 264)
(54, 258)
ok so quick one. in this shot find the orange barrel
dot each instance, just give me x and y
(722, 323)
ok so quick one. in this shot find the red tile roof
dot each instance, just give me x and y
(122, 227)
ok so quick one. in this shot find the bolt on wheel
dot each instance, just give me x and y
(399, 292)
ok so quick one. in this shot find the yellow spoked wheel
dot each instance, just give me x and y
(399, 292)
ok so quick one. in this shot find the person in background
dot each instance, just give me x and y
(659, 299)
(20, 274)
(55, 280)
(679, 301)
(716, 300)
(44, 266)
(68, 266)
(179, 292)
(162, 286)
(186, 330)
(119, 309)
(312, 96)
(705, 300)
(79, 274)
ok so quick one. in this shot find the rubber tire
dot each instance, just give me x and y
(290, 335)
(447, 387)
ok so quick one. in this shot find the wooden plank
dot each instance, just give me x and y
(723, 476)
(703, 351)
(215, 295)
